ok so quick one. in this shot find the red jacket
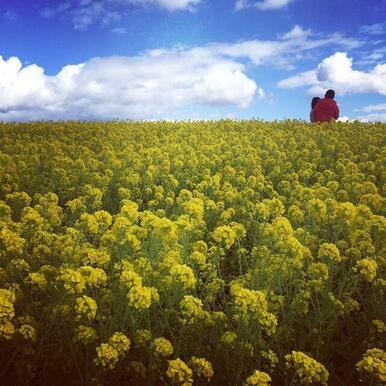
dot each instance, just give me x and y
(325, 110)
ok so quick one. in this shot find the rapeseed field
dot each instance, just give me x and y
(232, 253)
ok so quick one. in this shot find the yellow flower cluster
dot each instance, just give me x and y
(184, 275)
(318, 273)
(140, 297)
(252, 305)
(351, 304)
(28, 332)
(372, 366)
(330, 251)
(108, 354)
(143, 337)
(38, 279)
(130, 279)
(306, 369)
(94, 277)
(367, 269)
(379, 326)
(11, 242)
(192, 311)
(163, 347)
(73, 281)
(201, 367)
(120, 342)
(225, 235)
(86, 334)
(198, 258)
(258, 378)
(228, 338)
(271, 357)
(179, 372)
(7, 312)
(85, 308)
(95, 257)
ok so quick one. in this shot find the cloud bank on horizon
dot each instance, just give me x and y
(153, 83)
(122, 87)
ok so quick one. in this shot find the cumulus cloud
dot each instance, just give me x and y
(83, 13)
(263, 5)
(337, 72)
(123, 87)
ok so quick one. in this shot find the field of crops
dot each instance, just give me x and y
(192, 253)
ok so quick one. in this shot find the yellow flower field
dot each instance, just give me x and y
(192, 253)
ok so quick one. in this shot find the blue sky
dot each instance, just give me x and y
(190, 59)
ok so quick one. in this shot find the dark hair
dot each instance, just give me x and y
(330, 94)
(314, 101)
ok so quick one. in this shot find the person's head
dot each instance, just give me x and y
(314, 101)
(330, 94)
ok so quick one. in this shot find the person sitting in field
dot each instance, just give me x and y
(314, 101)
(326, 109)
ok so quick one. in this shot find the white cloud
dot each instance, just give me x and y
(381, 117)
(303, 79)
(83, 13)
(344, 119)
(297, 32)
(337, 72)
(263, 5)
(119, 30)
(374, 113)
(83, 17)
(289, 48)
(11, 15)
(370, 58)
(372, 108)
(374, 29)
(170, 5)
(52, 11)
(123, 87)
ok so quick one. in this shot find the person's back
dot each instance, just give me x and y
(314, 101)
(326, 109)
